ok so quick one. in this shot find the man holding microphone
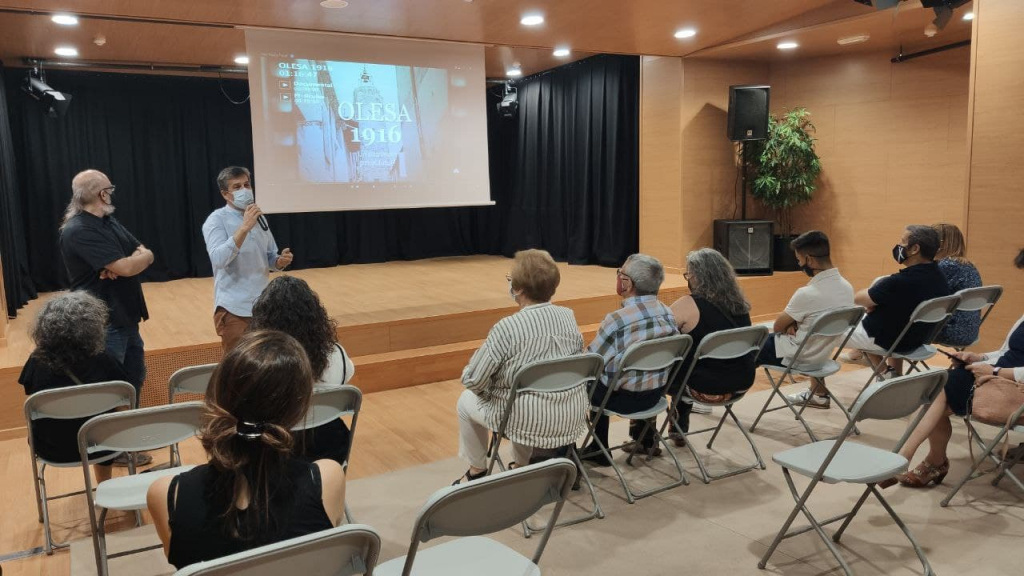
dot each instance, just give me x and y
(242, 251)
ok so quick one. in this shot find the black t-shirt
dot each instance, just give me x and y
(57, 440)
(89, 243)
(896, 297)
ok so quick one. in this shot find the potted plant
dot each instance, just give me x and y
(784, 173)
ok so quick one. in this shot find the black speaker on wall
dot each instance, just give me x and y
(746, 244)
(748, 112)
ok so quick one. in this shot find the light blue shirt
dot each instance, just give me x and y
(239, 274)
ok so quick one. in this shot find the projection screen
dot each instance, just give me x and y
(356, 123)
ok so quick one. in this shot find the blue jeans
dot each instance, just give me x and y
(126, 346)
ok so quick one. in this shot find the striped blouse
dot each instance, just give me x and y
(537, 332)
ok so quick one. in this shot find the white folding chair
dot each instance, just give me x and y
(329, 404)
(342, 551)
(988, 452)
(830, 326)
(979, 299)
(73, 402)
(131, 431)
(556, 376)
(658, 355)
(191, 381)
(844, 461)
(722, 345)
(481, 507)
(931, 315)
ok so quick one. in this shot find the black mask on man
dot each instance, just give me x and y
(899, 253)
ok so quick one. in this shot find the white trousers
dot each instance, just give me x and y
(474, 434)
(860, 340)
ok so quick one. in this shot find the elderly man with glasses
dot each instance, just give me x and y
(104, 259)
(641, 317)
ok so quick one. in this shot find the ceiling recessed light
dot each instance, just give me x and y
(969, 16)
(334, 3)
(858, 39)
(787, 45)
(561, 52)
(65, 19)
(514, 72)
(685, 33)
(532, 20)
(241, 59)
(66, 51)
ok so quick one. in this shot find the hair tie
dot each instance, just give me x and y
(250, 430)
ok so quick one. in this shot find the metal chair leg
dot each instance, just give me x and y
(986, 452)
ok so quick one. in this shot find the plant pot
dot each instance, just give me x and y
(785, 259)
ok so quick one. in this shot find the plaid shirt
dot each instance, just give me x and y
(640, 318)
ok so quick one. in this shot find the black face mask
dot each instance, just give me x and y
(899, 253)
(807, 270)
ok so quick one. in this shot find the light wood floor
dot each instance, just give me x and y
(397, 429)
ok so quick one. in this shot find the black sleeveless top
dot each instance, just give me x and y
(716, 376)
(195, 513)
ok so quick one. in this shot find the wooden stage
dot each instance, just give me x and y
(404, 323)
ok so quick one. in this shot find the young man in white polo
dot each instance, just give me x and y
(826, 290)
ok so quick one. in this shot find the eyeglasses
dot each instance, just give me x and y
(508, 277)
(686, 275)
(619, 272)
(109, 189)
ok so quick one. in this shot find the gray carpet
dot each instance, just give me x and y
(721, 528)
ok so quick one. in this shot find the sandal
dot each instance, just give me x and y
(469, 477)
(923, 475)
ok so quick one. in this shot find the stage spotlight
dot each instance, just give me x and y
(509, 105)
(55, 102)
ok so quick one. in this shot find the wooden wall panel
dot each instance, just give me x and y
(893, 144)
(687, 163)
(661, 84)
(996, 198)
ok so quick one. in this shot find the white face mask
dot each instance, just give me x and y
(242, 198)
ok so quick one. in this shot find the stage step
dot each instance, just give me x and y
(392, 370)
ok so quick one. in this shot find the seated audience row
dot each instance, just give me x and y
(264, 483)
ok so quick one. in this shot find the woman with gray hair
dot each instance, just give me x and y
(715, 303)
(69, 334)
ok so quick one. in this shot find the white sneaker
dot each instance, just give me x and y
(699, 408)
(854, 357)
(889, 374)
(809, 399)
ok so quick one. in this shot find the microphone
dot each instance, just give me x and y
(260, 220)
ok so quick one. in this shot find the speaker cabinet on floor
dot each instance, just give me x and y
(748, 112)
(746, 244)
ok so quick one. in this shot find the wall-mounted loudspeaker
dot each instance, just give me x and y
(746, 244)
(748, 112)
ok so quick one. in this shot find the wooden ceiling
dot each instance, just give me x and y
(894, 31)
(206, 32)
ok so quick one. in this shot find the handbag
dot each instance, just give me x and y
(995, 402)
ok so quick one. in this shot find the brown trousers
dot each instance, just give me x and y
(229, 327)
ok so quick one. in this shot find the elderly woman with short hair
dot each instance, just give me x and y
(538, 331)
(70, 337)
(716, 302)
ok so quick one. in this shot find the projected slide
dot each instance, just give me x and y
(349, 123)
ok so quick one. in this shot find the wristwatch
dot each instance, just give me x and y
(996, 371)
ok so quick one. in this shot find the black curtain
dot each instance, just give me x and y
(18, 285)
(563, 174)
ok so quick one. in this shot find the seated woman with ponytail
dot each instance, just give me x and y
(255, 490)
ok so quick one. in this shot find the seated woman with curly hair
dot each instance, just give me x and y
(289, 305)
(255, 490)
(69, 335)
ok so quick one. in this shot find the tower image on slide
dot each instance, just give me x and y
(371, 161)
